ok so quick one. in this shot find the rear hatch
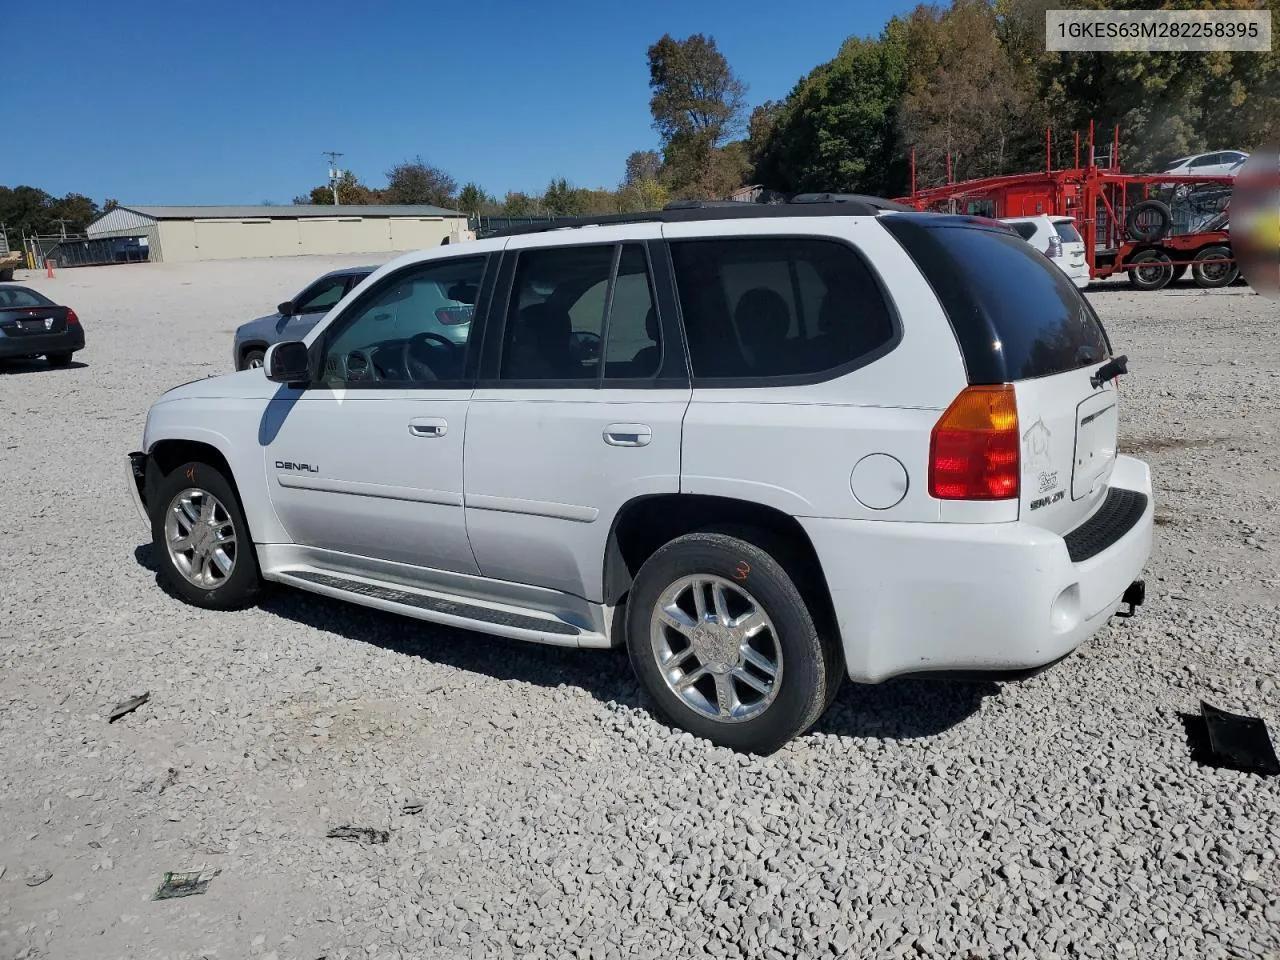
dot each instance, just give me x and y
(1072, 245)
(1020, 320)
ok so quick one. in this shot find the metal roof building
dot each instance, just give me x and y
(225, 233)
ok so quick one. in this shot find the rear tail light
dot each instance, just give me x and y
(72, 319)
(453, 316)
(973, 450)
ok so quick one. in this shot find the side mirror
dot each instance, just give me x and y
(285, 309)
(288, 362)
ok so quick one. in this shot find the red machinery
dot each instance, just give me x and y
(1123, 226)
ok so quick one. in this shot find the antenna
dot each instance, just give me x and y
(334, 173)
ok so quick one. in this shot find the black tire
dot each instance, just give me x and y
(1150, 270)
(1210, 271)
(252, 358)
(1148, 221)
(6, 274)
(807, 659)
(240, 586)
(58, 359)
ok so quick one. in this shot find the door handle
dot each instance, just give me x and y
(627, 434)
(428, 427)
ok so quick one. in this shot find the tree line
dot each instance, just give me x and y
(970, 81)
(967, 85)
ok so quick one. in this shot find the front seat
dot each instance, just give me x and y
(541, 350)
(645, 362)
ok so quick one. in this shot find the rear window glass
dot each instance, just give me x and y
(778, 307)
(1067, 231)
(1016, 315)
(22, 297)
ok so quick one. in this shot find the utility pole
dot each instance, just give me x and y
(334, 172)
(63, 224)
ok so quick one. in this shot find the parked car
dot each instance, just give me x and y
(763, 447)
(1058, 239)
(32, 325)
(1220, 163)
(294, 318)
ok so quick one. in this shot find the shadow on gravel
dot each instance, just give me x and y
(9, 367)
(898, 709)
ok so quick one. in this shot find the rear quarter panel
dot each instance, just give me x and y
(794, 448)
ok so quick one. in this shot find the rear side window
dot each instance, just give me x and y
(1025, 230)
(763, 308)
(1067, 231)
(1015, 314)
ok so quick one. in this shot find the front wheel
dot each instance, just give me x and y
(253, 359)
(722, 639)
(201, 540)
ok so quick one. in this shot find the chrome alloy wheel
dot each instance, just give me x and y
(716, 648)
(200, 538)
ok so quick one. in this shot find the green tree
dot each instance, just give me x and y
(563, 200)
(417, 182)
(838, 128)
(642, 195)
(76, 210)
(517, 204)
(473, 201)
(698, 106)
(26, 210)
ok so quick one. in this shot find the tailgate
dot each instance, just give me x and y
(1068, 447)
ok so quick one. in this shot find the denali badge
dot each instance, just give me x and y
(288, 465)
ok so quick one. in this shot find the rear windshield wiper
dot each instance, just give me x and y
(1109, 371)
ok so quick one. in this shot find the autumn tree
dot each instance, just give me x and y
(698, 106)
(350, 192)
(642, 165)
(417, 182)
(517, 204)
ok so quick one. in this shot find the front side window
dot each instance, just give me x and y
(777, 307)
(555, 318)
(415, 327)
(320, 297)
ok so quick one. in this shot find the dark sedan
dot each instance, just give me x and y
(32, 325)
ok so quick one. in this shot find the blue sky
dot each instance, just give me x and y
(174, 101)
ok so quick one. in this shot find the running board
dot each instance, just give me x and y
(500, 620)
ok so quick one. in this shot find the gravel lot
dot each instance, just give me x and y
(1060, 816)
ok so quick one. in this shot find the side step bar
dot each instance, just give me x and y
(467, 614)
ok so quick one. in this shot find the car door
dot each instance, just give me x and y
(366, 462)
(583, 390)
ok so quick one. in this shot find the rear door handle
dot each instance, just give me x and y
(627, 434)
(428, 427)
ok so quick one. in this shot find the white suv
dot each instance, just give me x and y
(763, 446)
(1058, 239)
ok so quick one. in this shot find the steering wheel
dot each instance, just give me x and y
(584, 345)
(409, 363)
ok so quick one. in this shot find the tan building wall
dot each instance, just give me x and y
(223, 239)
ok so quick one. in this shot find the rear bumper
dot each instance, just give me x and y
(135, 479)
(68, 341)
(929, 597)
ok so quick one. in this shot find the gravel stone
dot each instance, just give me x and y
(1058, 816)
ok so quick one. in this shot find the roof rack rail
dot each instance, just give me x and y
(880, 203)
(692, 211)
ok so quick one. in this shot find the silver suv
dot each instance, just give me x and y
(763, 447)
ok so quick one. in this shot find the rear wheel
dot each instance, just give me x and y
(1213, 267)
(201, 540)
(58, 359)
(722, 639)
(1150, 270)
